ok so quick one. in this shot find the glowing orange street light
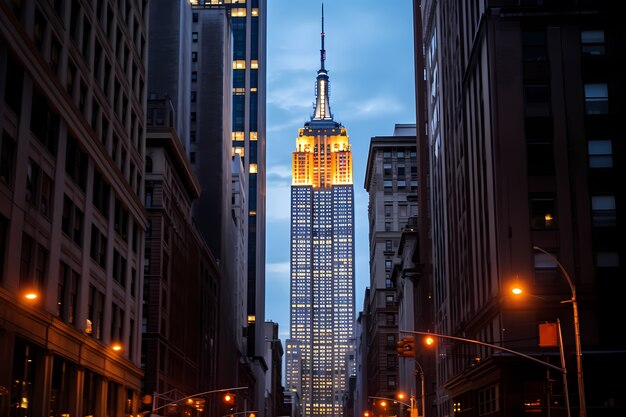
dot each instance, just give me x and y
(517, 290)
(116, 347)
(31, 295)
(429, 340)
(229, 398)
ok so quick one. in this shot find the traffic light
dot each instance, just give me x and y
(429, 341)
(406, 347)
(229, 400)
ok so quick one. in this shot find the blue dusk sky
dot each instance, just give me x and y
(369, 58)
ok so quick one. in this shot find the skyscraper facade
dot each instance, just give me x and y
(72, 221)
(228, 119)
(391, 182)
(525, 105)
(322, 255)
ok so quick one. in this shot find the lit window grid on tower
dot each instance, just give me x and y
(322, 274)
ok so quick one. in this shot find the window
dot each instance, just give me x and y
(488, 400)
(600, 154)
(238, 12)
(7, 159)
(194, 96)
(542, 212)
(62, 398)
(389, 299)
(388, 210)
(388, 246)
(194, 76)
(194, 57)
(33, 263)
(603, 211)
(253, 168)
(67, 295)
(388, 265)
(596, 98)
(98, 247)
(194, 37)
(195, 17)
(543, 261)
(76, 163)
(239, 64)
(72, 220)
(534, 46)
(387, 170)
(44, 123)
(391, 382)
(536, 100)
(540, 157)
(607, 259)
(592, 42)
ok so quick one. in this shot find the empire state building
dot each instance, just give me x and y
(322, 258)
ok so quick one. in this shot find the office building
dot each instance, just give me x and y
(72, 82)
(181, 278)
(391, 182)
(322, 255)
(228, 119)
(525, 102)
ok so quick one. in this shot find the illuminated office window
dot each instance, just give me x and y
(238, 12)
(237, 135)
(253, 168)
(239, 64)
(253, 135)
(254, 63)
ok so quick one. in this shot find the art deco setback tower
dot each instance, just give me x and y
(322, 253)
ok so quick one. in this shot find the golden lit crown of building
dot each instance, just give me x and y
(323, 156)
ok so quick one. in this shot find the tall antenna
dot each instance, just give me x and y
(323, 50)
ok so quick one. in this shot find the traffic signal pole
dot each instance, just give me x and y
(513, 352)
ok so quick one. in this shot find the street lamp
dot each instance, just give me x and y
(579, 359)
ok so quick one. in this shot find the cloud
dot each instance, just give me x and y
(280, 172)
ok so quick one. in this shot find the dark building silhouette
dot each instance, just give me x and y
(524, 103)
(181, 278)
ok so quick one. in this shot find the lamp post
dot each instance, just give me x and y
(579, 359)
(422, 391)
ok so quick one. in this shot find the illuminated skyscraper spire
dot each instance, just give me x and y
(322, 105)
